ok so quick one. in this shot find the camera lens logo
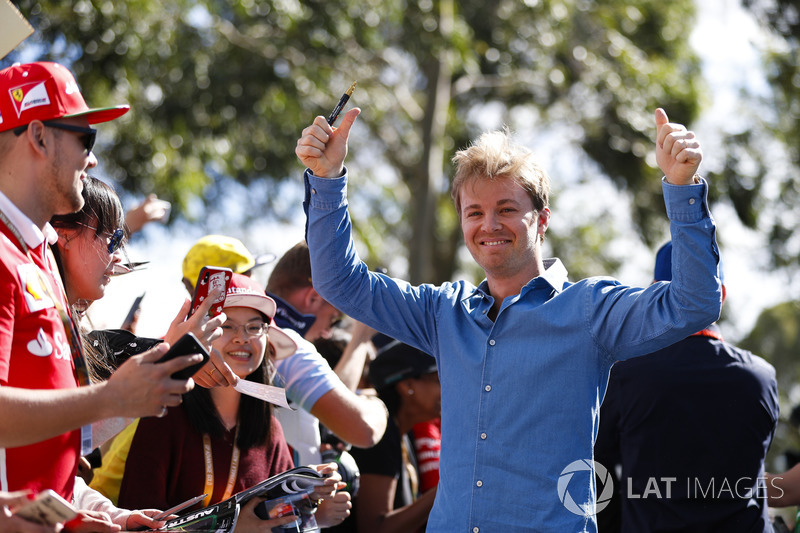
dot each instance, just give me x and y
(606, 481)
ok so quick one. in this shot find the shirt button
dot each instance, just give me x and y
(313, 191)
(475, 529)
(487, 388)
(483, 436)
(479, 483)
(691, 201)
(491, 342)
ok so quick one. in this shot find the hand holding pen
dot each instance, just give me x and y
(322, 148)
(342, 101)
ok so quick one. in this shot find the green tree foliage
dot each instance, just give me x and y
(776, 337)
(221, 90)
(762, 163)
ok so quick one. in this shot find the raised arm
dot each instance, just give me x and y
(357, 419)
(350, 367)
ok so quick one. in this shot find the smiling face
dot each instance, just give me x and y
(243, 353)
(501, 228)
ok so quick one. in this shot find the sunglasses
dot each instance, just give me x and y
(88, 137)
(115, 239)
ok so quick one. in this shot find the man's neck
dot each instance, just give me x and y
(25, 195)
(501, 286)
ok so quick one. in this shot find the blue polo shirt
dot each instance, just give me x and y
(520, 395)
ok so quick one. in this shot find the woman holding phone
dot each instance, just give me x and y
(217, 442)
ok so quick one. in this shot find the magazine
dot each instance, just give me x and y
(286, 493)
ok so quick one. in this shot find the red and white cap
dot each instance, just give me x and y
(246, 292)
(45, 91)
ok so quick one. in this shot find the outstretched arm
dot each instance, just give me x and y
(322, 148)
(140, 387)
(783, 490)
(357, 419)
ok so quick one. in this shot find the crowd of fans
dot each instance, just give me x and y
(504, 381)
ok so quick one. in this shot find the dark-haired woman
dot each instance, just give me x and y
(218, 442)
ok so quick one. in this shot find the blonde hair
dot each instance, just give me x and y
(496, 156)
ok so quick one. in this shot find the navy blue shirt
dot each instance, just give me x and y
(690, 425)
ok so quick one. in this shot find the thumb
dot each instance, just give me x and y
(661, 117)
(155, 353)
(348, 121)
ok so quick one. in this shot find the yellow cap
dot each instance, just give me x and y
(217, 250)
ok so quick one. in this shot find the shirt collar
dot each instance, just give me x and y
(287, 317)
(30, 233)
(555, 274)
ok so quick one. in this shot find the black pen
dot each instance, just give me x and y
(342, 101)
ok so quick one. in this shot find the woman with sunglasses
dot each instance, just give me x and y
(88, 249)
(89, 244)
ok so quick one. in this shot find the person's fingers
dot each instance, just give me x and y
(16, 498)
(216, 372)
(155, 353)
(213, 297)
(181, 316)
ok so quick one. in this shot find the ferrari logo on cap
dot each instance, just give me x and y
(29, 96)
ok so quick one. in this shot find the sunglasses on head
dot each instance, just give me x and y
(88, 137)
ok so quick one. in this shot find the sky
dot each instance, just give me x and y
(723, 38)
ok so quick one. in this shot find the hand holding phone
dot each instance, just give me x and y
(210, 278)
(186, 345)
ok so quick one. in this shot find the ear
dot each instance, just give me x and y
(36, 134)
(312, 299)
(404, 387)
(65, 235)
(544, 221)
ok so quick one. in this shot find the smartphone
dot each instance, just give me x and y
(186, 345)
(47, 508)
(128, 322)
(210, 278)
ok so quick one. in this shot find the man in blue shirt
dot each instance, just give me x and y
(523, 358)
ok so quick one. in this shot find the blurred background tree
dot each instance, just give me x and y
(221, 90)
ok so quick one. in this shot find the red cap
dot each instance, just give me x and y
(45, 91)
(246, 292)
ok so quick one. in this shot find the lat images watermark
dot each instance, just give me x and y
(653, 488)
(606, 481)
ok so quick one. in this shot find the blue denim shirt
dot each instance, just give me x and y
(521, 395)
